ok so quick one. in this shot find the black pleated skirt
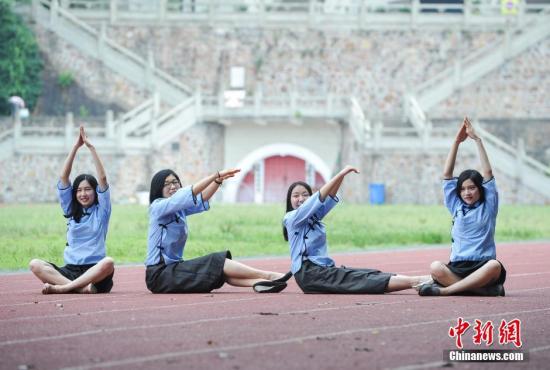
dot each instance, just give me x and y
(312, 278)
(198, 275)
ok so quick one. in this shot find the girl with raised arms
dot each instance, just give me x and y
(472, 200)
(87, 206)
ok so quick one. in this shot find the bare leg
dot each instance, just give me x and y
(441, 273)
(401, 282)
(239, 274)
(46, 273)
(83, 284)
(480, 278)
(242, 282)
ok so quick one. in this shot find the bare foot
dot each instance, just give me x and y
(275, 275)
(49, 289)
(422, 280)
(279, 277)
(88, 289)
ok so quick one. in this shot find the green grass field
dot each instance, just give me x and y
(38, 231)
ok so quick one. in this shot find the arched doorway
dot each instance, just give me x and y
(274, 175)
(268, 171)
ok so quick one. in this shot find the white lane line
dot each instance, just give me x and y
(139, 327)
(199, 321)
(40, 317)
(528, 290)
(428, 365)
(539, 349)
(15, 319)
(81, 297)
(530, 274)
(163, 356)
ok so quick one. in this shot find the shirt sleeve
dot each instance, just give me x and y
(181, 200)
(491, 194)
(201, 206)
(104, 200)
(451, 199)
(328, 205)
(65, 195)
(309, 208)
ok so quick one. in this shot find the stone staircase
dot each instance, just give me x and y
(140, 72)
(480, 63)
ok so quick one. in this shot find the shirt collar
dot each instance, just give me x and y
(467, 207)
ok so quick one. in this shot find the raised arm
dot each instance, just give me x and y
(68, 166)
(209, 185)
(451, 158)
(486, 169)
(332, 187)
(101, 176)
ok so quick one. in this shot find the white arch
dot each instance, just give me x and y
(277, 149)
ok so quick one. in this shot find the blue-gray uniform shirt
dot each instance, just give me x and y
(473, 231)
(86, 239)
(168, 225)
(307, 237)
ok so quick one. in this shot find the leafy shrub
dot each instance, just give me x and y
(20, 60)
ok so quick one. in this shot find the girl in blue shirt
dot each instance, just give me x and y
(167, 271)
(313, 269)
(472, 200)
(87, 206)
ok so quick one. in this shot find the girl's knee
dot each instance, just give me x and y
(494, 266)
(437, 269)
(36, 265)
(108, 264)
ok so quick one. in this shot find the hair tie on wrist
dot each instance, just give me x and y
(218, 182)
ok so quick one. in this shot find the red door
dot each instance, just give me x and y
(280, 172)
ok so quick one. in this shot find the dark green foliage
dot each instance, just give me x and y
(20, 60)
(65, 79)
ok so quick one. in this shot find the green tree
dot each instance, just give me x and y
(20, 60)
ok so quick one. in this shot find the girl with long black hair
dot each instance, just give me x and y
(87, 206)
(472, 200)
(167, 270)
(313, 269)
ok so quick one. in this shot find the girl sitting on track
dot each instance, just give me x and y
(313, 269)
(87, 205)
(472, 200)
(167, 272)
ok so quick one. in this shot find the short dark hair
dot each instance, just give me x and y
(77, 211)
(289, 203)
(476, 178)
(157, 184)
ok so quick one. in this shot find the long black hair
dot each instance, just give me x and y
(476, 178)
(289, 202)
(77, 211)
(157, 184)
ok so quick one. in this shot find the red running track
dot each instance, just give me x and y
(235, 328)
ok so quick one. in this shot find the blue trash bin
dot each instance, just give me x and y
(377, 193)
